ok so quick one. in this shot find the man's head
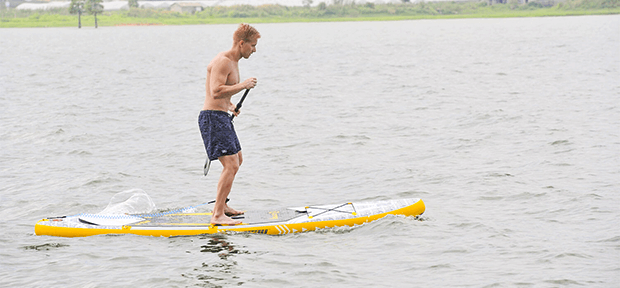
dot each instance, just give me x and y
(246, 37)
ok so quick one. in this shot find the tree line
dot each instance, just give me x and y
(89, 6)
(336, 9)
(92, 7)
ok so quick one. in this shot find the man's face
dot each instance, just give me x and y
(247, 48)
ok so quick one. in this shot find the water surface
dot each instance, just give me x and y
(506, 128)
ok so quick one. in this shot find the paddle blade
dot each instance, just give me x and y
(207, 166)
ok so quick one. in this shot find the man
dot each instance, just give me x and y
(218, 133)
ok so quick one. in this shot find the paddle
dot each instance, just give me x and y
(208, 162)
(240, 103)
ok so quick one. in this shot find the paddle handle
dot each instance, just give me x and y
(240, 103)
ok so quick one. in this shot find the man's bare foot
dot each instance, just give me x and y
(223, 220)
(232, 212)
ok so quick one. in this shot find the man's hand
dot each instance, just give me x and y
(249, 83)
(232, 108)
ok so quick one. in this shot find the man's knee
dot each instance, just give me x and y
(231, 163)
(232, 168)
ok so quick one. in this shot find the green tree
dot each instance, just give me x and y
(93, 7)
(133, 3)
(76, 7)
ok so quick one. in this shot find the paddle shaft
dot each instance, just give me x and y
(240, 103)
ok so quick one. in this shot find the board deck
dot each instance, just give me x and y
(203, 219)
(186, 222)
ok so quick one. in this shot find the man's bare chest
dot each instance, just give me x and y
(233, 77)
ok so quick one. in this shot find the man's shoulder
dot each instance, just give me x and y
(221, 60)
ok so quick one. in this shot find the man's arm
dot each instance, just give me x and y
(219, 75)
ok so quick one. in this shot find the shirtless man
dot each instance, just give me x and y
(218, 133)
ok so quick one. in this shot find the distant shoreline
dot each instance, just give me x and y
(281, 14)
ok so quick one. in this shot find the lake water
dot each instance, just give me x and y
(508, 129)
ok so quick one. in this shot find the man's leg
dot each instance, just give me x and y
(231, 165)
(229, 211)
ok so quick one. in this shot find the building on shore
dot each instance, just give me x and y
(186, 7)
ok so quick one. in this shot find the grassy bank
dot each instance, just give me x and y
(321, 13)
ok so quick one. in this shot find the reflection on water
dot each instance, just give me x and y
(45, 247)
(220, 271)
(219, 244)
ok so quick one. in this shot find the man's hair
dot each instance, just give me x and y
(246, 33)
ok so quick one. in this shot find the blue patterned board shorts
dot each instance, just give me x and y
(218, 134)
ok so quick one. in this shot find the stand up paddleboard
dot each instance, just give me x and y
(272, 221)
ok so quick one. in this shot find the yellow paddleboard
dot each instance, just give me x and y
(270, 221)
